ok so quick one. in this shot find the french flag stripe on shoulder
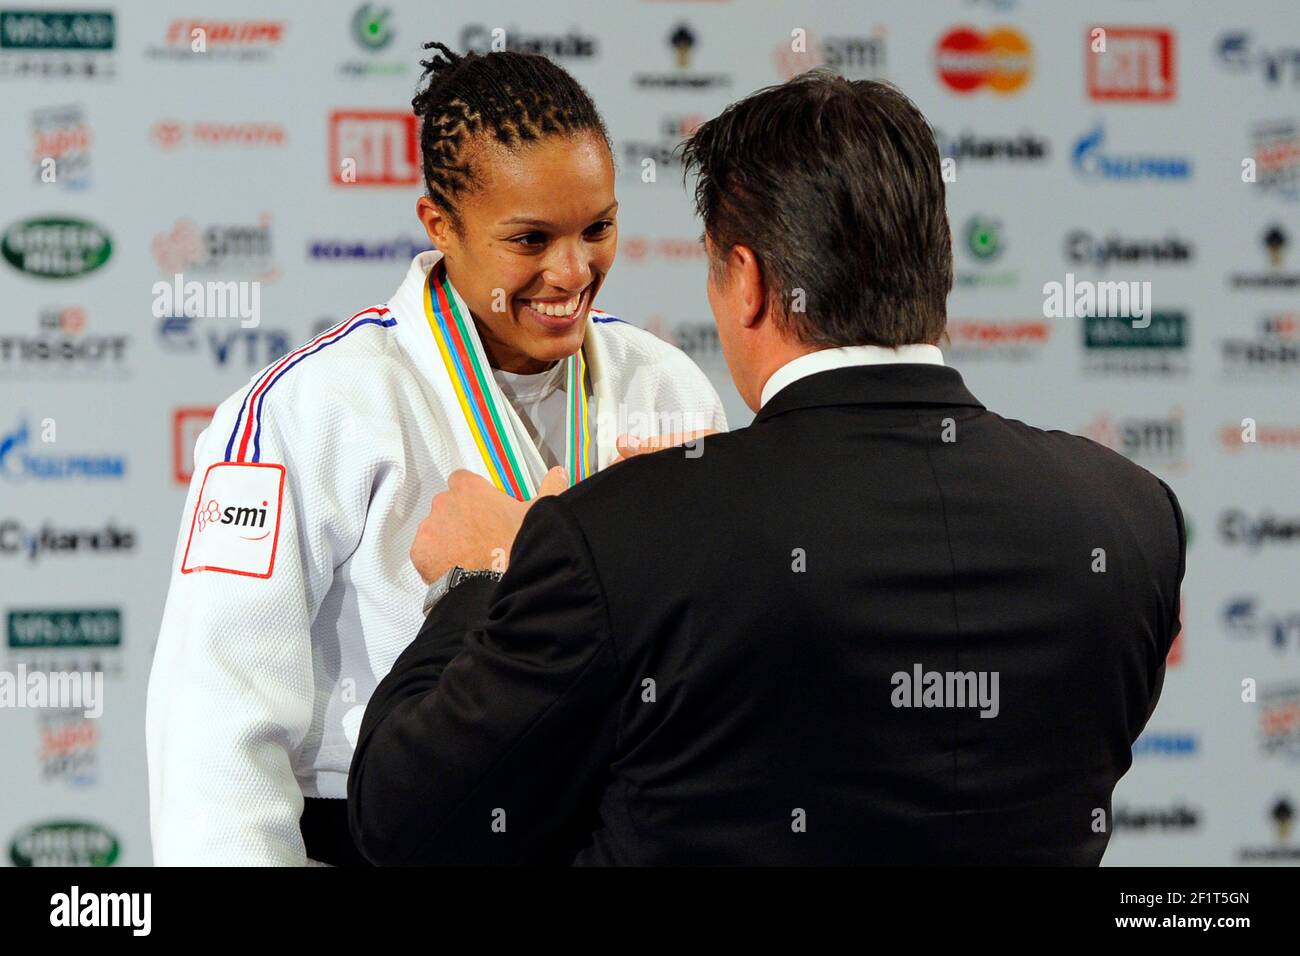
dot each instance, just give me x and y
(248, 427)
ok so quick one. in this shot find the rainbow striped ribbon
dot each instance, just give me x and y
(468, 370)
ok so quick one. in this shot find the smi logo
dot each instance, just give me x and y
(211, 513)
(239, 538)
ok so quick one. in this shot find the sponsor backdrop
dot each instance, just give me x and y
(270, 146)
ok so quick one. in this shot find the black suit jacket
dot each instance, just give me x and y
(702, 659)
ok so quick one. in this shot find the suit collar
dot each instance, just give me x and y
(895, 384)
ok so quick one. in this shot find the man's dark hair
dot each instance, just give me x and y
(514, 98)
(836, 187)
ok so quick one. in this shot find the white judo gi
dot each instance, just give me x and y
(292, 590)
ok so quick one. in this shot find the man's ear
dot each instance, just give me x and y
(745, 277)
(437, 224)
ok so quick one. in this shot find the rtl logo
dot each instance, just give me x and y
(374, 148)
(1130, 63)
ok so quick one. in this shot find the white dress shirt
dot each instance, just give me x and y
(826, 359)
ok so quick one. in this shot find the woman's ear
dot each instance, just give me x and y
(437, 224)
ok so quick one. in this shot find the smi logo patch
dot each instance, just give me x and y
(237, 520)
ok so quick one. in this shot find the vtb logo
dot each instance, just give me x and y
(210, 513)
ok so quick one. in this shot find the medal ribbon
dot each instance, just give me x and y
(469, 372)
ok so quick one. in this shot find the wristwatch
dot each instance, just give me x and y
(454, 578)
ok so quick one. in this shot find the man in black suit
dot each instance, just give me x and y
(881, 624)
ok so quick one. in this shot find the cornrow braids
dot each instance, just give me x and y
(515, 98)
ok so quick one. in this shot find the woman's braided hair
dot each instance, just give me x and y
(516, 98)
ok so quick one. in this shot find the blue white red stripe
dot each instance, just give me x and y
(248, 427)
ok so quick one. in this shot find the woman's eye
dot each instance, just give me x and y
(532, 239)
(597, 229)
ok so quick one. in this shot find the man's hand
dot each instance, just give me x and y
(473, 525)
(631, 445)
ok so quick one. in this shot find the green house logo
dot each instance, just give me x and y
(55, 247)
(64, 843)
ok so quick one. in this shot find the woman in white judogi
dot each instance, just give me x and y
(292, 590)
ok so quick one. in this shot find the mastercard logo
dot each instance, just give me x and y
(968, 60)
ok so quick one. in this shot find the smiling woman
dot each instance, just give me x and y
(520, 202)
(489, 372)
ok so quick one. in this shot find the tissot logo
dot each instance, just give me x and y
(61, 347)
(1273, 352)
(664, 151)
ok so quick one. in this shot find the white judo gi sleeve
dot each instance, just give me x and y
(231, 689)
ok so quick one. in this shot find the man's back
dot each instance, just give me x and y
(883, 625)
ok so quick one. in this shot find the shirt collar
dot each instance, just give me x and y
(845, 356)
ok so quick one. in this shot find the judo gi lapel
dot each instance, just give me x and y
(489, 434)
(599, 368)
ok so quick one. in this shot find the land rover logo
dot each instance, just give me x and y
(64, 843)
(55, 247)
